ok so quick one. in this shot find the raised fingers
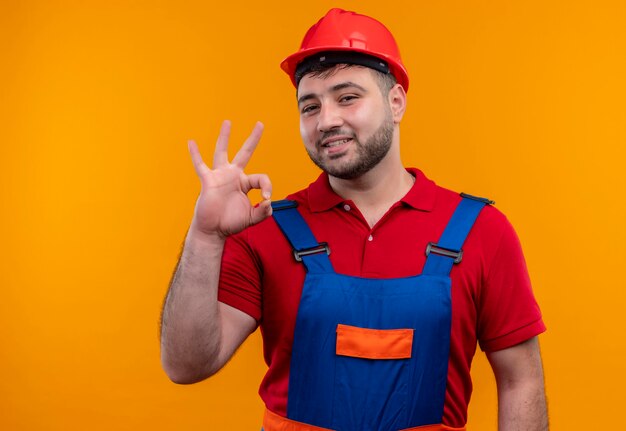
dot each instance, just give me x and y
(220, 157)
(243, 155)
(196, 158)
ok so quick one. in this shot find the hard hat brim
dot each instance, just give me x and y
(290, 63)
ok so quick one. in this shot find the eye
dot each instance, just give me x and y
(307, 109)
(347, 98)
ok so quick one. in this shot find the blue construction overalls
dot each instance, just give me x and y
(370, 354)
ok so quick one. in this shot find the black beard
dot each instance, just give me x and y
(369, 154)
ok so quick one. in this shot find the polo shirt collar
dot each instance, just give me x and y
(421, 196)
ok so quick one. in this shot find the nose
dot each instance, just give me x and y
(329, 118)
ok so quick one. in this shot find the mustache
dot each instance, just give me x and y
(332, 133)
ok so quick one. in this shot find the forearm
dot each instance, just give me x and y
(521, 395)
(191, 325)
(522, 406)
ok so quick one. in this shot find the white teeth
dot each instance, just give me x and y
(336, 143)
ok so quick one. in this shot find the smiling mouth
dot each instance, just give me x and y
(336, 143)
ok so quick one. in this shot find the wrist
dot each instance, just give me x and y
(202, 238)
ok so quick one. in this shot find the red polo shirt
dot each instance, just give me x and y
(492, 300)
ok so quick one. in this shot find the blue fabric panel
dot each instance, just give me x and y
(299, 235)
(317, 263)
(454, 236)
(349, 394)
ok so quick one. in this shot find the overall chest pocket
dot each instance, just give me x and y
(371, 378)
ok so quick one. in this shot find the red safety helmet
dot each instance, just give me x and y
(341, 30)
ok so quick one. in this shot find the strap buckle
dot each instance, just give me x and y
(322, 247)
(448, 252)
(284, 204)
(478, 198)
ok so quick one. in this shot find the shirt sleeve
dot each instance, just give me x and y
(240, 276)
(508, 311)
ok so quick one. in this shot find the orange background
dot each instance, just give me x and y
(521, 101)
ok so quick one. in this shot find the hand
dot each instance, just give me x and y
(223, 207)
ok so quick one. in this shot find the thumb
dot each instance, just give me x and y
(261, 211)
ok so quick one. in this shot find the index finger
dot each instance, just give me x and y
(245, 152)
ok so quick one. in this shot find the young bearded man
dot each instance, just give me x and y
(372, 286)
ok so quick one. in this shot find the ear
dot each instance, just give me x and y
(397, 102)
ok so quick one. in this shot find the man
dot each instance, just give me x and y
(372, 286)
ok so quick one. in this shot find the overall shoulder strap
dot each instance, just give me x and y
(448, 250)
(313, 254)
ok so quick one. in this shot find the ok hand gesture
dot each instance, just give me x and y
(223, 207)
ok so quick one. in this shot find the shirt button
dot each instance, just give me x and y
(370, 238)
(347, 207)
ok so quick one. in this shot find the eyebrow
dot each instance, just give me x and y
(333, 89)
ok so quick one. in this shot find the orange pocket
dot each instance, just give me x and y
(374, 343)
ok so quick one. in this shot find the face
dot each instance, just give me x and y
(345, 122)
